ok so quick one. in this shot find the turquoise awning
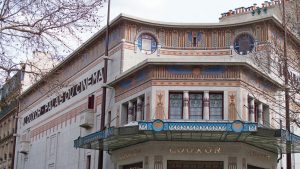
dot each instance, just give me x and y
(273, 140)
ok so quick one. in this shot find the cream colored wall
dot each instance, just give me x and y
(221, 152)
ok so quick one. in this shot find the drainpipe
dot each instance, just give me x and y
(103, 104)
(281, 142)
(16, 117)
(15, 134)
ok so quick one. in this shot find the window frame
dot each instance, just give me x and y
(169, 107)
(91, 102)
(221, 93)
(196, 92)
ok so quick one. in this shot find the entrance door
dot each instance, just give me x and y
(134, 166)
(195, 164)
(253, 167)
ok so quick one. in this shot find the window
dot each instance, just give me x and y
(175, 104)
(88, 162)
(142, 109)
(194, 41)
(147, 43)
(256, 111)
(196, 106)
(253, 108)
(91, 102)
(109, 118)
(124, 113)
(216, 106)
(244, 44)
(134, 110)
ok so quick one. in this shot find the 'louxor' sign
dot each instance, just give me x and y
(73, 91)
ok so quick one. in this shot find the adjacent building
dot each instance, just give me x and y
(179, 96)
(8, 119)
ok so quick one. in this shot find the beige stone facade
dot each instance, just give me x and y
(194, 73)
(8, 120)
(7, 139)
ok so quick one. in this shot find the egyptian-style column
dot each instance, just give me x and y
(260, 113)
(206, 105)
(251, 111)
(139, 109)
(130, 111)
(185, 105)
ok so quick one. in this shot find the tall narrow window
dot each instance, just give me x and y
(194, 41)
(109, 118)
(175, 111)
(256, 111)
(88, 162)
(143, 109)
(196, 106)
(216, 106)
(134, 110)
(91, 102)
(124, 117)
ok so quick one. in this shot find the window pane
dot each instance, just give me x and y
(196, 106)
(216, 106)
(175, 106)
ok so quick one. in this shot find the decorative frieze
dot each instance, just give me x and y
(160, 105)
(158, 162)
(195, 72)
(232, 110)
(232, 162)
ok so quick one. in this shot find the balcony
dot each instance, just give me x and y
(87, 118)
(24, 147)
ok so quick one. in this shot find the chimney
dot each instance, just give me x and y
(254, 6)
(242, 9)
(272, 2)
(266, 3)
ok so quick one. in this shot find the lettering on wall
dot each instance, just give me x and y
(258, 155)
(196, 150)
(129, 154)
(73, 91)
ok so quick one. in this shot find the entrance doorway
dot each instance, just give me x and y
(195, 164)
(253, 167)
(134, 166)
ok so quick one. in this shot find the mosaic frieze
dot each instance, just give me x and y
(159, 107)
(175, 39)
(202, 38)
(134, 80)
(232, 110)
(195, 72)
(258, 82)
(228, 39)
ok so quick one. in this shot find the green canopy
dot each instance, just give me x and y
(273, 140)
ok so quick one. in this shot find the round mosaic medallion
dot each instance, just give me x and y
(147, 43)
(244, 44)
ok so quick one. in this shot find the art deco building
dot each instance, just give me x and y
(179, 96)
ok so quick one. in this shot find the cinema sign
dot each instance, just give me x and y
(73, 91)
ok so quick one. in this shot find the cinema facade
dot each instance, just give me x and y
(179, 96)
